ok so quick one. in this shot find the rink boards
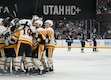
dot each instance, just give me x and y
(104, 43)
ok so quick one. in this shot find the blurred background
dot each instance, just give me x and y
(68, 16)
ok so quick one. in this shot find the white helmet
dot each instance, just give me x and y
(24, 21)
(35, 17)
(40, 22)
(50, 22)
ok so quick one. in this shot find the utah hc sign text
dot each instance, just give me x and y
(69, 9)
(60, 10)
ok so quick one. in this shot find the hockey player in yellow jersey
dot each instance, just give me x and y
(2, 54)
(24, 47)
(38, 51)
(11, 43)
(50, 42)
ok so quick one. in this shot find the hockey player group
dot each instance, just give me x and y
(26, 47)
(83, 38)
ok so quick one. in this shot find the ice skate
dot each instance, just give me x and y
(41, 70)
(82, 51)
(51, 68)
(95, 50)
(3, 72)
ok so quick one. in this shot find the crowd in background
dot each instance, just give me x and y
(62, 28)
(103, 6)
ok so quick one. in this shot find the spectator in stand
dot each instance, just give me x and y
(74, 34)
(109, 3)
(61, 24)
(98, 11)
(103, 6)
(80, 28)
(103, 9)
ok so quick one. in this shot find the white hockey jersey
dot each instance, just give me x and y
(25, 35)
(50, 40)
(2, 31)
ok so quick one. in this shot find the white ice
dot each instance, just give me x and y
(74, 65)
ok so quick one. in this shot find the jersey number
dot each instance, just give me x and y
(27, 32)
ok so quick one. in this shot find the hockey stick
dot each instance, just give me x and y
(36, 3)
(14, 13)
(16, 9)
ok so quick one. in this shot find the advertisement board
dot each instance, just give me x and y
(49, 9)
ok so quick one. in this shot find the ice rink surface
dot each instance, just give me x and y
(74, 65)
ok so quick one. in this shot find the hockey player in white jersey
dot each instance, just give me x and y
(2, 54)
(10, 44)
(50, 42)
(24, 47)
(38, 51)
